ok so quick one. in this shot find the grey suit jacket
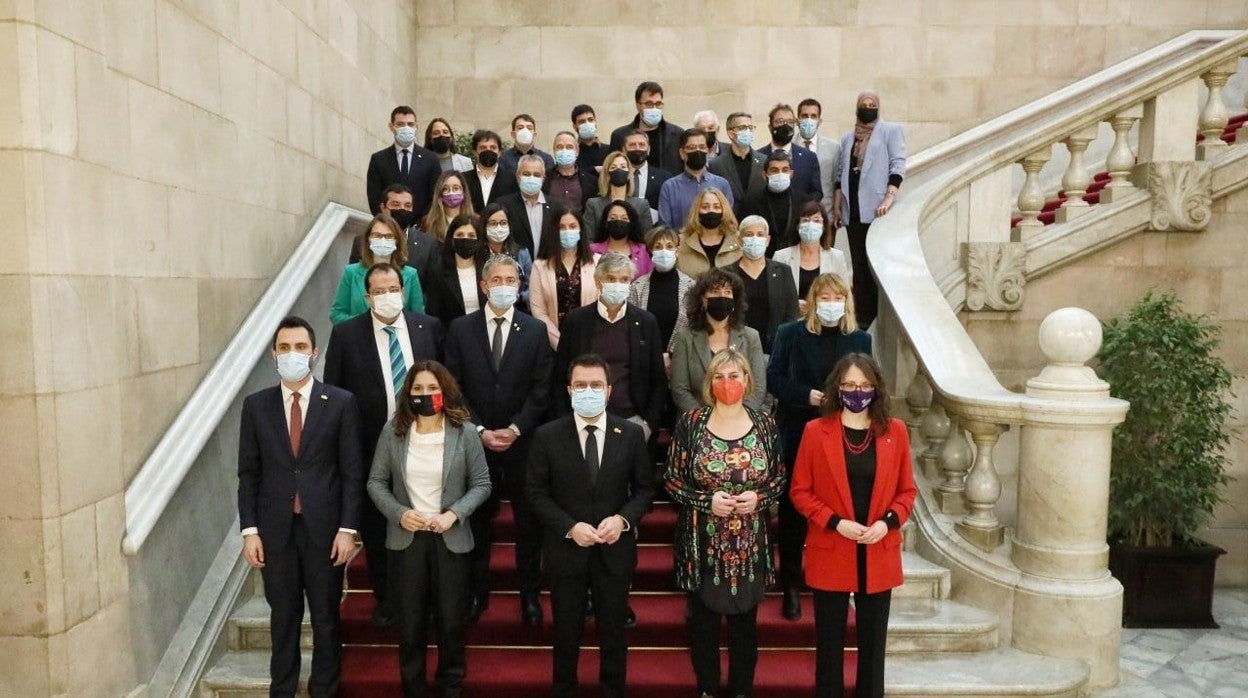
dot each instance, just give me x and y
(639, 295)
(886, 155)
(465, 484)
(726, 167)
(827, 150)
(691, 354)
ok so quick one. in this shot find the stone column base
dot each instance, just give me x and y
(986, 539)
(950, 502)
(1075, 620)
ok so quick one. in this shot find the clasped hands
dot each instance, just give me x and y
(724, 504)
(866, 535)
(412, 521)
(340, 551)
(607, 532)
(498, 440)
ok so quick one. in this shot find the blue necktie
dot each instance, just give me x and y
(398, 369)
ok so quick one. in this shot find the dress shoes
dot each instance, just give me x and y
(530, 610)
(792, 603)
(476, 607)
(630, 617)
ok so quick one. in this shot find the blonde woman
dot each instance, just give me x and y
(386, 242)
(710, 237)
(616, 184)
(450, 199)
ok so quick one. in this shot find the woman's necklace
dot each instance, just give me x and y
(860, 448)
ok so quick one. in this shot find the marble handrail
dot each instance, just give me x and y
(164, 470)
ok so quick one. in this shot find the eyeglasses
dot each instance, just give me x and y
(382, 236)
(595, 385)
(856, 386)
(783, 122)
(739, 129)
(652, 104)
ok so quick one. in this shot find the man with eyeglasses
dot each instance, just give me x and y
(740, 164)
(664, 136)
(782, 122)
(678, 193)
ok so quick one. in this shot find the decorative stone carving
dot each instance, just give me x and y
(1182, 195)
(995, 275)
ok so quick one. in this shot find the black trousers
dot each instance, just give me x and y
(831, 610)
(567, 600)
(429, 577)
(373, 536)
(704, 647)
(507, 475)
(866, 294)
(792, 535)
(289, 573)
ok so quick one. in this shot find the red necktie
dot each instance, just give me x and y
(296, 434)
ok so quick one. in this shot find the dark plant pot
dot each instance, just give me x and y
(1165, 587)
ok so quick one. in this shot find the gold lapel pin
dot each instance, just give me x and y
(616, 430)
(324, 396)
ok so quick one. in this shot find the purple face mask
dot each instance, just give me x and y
(452, 200)
(856, 400)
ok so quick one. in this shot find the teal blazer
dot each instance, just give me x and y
(349, 300)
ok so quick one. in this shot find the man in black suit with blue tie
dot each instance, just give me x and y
(589, 483)
(300, 486)
(405, 163)
(368, 356)
(806, 179)
(502, 361)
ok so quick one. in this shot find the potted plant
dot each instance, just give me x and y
(1169, 459)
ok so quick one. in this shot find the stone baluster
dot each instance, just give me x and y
(1121, 158)
(1031, 196)
(919, 400)
(1076, 179)
(955, 460)
(1065, 591)
(1215, 115)
(935, 426)
(980, 526)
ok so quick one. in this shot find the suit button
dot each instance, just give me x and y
(296, 471)
(292, 497)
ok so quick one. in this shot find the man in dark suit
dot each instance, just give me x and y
(626, 336)
(777, 201)
(739, 163)
(527, 208)
(405, 163)
(589, 482)
(806, 177)
(300, 485)
(664, 137)
(422, 249)
(647, 180)
(369, 356)
(502, 361)
(490, 180)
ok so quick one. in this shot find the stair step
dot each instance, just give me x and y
(657, 526)
(656, 673)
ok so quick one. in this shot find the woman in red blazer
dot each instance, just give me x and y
(853, 483)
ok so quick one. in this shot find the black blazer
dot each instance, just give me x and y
(352, 363)
(589, 188)
(328, 474)
(564, 493)
(782, 230)
(647, 380)
(518, 221)
(516, 393)
(725, 166)
(665, 154)
(655, 177)
(781, 297)
(504, 184)
(422, 251)
(443, 297)
(422, 175)
(805, 171)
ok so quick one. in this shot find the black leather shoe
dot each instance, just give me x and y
(792, 603)
(630, 617)
(476, 607)
(530, 611)
(383, 617)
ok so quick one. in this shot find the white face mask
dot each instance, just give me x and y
(498, 234)
(388, 305)
(293, 366)
(405, 136)
(524, 136)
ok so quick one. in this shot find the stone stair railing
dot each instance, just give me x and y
(947, 245)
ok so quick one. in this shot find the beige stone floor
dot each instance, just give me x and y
(1160, 663)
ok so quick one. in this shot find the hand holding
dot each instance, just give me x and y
(747, 502)
(412, 522)
(585, 535)
(851, 529)
(723, 504)
(442, 522)
(816, 398)
(253, 550)
(874, 533)
(610, 529)
(343, 548)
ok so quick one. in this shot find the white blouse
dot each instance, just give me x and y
(468, 289)
(423, 471)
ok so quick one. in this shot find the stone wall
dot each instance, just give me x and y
(940, 66)
(158, 160)
(1209, 273)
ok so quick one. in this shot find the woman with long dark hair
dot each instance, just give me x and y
(455, 289)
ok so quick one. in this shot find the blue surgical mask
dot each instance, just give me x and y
(587, 131)
(293, 366)
(830, 312)
(614, 294)
(808, 128)
(382, 247)
(569, 238)
(745, 139)
(809, 231)
(565, 157)
(779, 182)
(405, 136)
(588, 402)
(652, 117)
(663, 260)
(754, 247)
(503, 296)
(530, 185)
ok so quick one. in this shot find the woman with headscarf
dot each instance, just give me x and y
(869, 170)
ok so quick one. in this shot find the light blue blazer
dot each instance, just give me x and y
(886, 155)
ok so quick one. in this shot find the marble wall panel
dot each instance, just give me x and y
(188, 57)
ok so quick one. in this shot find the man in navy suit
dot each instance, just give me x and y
(300, 486)
(368, 356)
(589, 483)
(502, 360)
(783, 124)
(403, 163)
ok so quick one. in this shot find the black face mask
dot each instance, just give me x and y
(426, 405)
(782, 134)
(695, 160)
(441, 144)
(867, 115)
(618, 230)
(637, 157)
(719, 308)
(403, 217)
(464, 247)
(710, 219)
(618, 177)
(710, 139)
(488, 158)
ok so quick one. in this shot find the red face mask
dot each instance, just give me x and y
(427, 405)
(728, 391)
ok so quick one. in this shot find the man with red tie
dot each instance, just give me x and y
(300, 486)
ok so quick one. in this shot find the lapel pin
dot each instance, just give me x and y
(616, 430)
(324, 396)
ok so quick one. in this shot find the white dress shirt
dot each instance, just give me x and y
(398, 156)
(468, 288)
(600, 438)
(536, 210)
(487, 183)
(643, 180)
(383, 354)
(606, 315)
(491, 327)
(422, 471)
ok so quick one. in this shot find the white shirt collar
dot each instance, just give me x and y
(602, 312)
(400, 322)
(581, 423)
(305, 393)
(489, 313)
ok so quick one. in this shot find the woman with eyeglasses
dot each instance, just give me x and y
(386, 242)
(854, 484)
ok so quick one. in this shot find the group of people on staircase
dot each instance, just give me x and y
(515, 326)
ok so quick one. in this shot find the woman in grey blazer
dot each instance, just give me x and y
(429, 474)
(715, 308)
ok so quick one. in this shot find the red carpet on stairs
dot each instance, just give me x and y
(505, 658)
